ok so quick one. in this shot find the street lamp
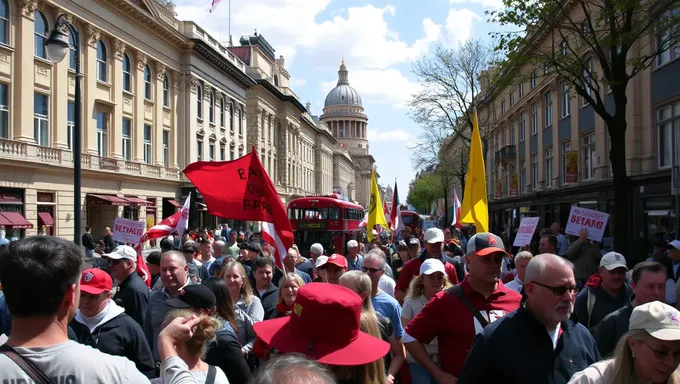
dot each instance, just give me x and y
(57, 46)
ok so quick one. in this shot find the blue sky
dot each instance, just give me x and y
(378, 40)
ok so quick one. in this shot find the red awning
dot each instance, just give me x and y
(46, 218)
(16, 220)
(175, 203)
(138, 201)
(113, 200)
(4, 221)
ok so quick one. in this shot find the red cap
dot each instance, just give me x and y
(338, 260)
(95, 281)
(318, 308)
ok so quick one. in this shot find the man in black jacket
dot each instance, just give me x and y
(264, 289)
(133, 293)
(88, 242)
(103, 325)
(556, 346)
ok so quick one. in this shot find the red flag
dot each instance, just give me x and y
(242, 190)
(456, 211)
(395, 217)
(386, 211)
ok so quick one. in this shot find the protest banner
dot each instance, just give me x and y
(525, 232)
(128, 231)
(594, 221)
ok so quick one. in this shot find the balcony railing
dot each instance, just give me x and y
(507, 153)
(32, 153)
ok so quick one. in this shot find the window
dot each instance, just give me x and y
(166, 91)
(147, 82)
(521, 90)
(148, 155)
(4, 111)
(70, 123)
(222, 112)
(4, 22)
(548, 110)
(547, 68)
(668, 130)
(41, 32)
(534, 172)
(588, 156)
(102, 134)
(534, 120)
(231, 116)
(231, 153)
(199, 150)
(565, 100)
(564, 48)
(512, 133)
(512, 99)
(199, 102)
(341, 130)
(127, 139)
(211, 151)
(667, 52)
(223, 155)
(502, 107)
(522, 176)
(240, 121)
(494, 114)
(71, 51)
(102, 62)
(211, 107)
(522, 126)
(127, 73)
(548, 158)
(166, 149)
(532, 80)
(41, 122)
(502, 138)
(564, 148)
(587, 71)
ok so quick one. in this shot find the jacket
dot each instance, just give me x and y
(268, 298)
(598, 373)
(133, 296)
(586, 258)
(119, 335)
(225, 353)
(492, 361)
(601, 302)
(611, 328)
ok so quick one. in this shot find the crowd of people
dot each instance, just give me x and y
(436, 307)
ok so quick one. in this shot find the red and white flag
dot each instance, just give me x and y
(456, 211)
(214, 5)
(249, 195)
(395, 216)
(364, 221)
(386, 211)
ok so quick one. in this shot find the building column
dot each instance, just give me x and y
(60, 92)
(116, 132)
(139, 110)
(24, 72)
(175, 120)
(89, 128)
(158, 118)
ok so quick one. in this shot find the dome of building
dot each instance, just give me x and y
(343, 94)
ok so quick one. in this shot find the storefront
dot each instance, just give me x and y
(654, 217)
(102, 210)
(46, 213)
(12, 213)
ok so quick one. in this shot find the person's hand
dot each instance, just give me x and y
(389, 379)
(446, 378)
(180, 329)
(583, 235)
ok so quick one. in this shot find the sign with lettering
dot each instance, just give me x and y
(594, 221)
(128, 231)
(525, 232)
(316, 225)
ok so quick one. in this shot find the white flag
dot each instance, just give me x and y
(183, 223)
(456, 211)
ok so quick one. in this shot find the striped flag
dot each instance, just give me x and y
(214, 5)
(395, 217)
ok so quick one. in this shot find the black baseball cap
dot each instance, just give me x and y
(193, 296)
(485, 243)
(154, 258)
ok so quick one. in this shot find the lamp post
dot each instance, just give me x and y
(57, 46)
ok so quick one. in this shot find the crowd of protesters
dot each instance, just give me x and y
(439, 306)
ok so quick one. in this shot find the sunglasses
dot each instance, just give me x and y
(559, 290)
(370, 270)
(661, 355)
(115, 262)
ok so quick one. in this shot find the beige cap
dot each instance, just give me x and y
(660, 320)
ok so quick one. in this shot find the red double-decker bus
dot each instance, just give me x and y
(412, 219)
(326, 220)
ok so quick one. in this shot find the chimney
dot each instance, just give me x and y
(308, 106)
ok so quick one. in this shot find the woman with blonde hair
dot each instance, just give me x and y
(361, 284)
(648, 353)
(431, 280)
(288, 287)
(248, 308)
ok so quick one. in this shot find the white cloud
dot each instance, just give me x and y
(297, 82)
(494, 4)
(396, 135)
(459, 25)
(383, 86)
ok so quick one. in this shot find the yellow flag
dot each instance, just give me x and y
(475, 209)
(376, 215)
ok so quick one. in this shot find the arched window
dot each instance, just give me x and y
(127, 73)
(102, 62)
(41, 32)
(166, 91)
(240, 121)
(71, 51)
(222, 112)
(231, 116)
(199, 101)
(211, 107)
(147, 82)
(4, 22)
(276, 80)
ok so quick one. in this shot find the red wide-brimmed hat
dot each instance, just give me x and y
(324, 325)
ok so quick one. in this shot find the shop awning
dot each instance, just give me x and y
(112, 200)
(201, 207)
(4, 221)
(46, 219)
(175, 203)
(138, 201)
(17, 220)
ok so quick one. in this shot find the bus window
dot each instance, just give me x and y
(333, 213)
(407, 219)
(305, 239)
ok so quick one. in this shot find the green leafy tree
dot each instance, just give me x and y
(594, 46)
(425, 191)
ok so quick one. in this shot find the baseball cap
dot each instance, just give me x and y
(434, 235)
(660, 320)
(485, 243)
(431, 266)
(413, 242)
(193, 296)
(675, 244)
(612, 260)
(337, 260)
(352, 244)
(122, 252)
(320, 261)
(316, 249)
(95, 281)
(325, 326)
(154, 258)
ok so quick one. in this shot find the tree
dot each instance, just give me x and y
(593, 46)
(452, 80)
(425, 191)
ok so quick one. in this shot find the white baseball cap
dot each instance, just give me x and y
(674, 244)
(122, 252)
(660, 320)
(613, 260)
(434, 235)
(321, 261)
(352, 244)
(316, 249)
(431, 266)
